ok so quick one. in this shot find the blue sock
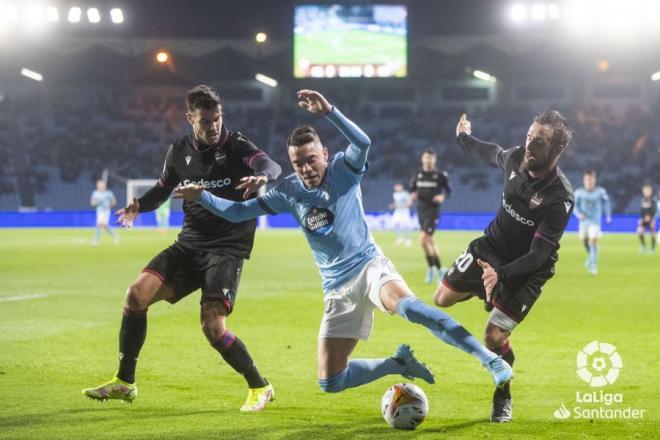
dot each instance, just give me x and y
(443, 326)
(112, 232)
(592, 255)
(97, 234)
(359, 372)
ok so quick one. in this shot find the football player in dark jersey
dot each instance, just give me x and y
(509, 265)
(647, 211)
(208, 253)
(429, 187)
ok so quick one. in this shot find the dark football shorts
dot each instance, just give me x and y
(186, 270)
(649, 226)
(428, 219)
(514, 298)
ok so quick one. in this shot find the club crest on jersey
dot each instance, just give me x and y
(220, 157)
(188, 159)
(319, 221)
(535, 201)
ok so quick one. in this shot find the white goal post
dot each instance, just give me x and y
(137, 187)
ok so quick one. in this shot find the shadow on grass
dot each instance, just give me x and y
(101, 413)
(285, 423)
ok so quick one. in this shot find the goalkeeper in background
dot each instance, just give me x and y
(163, 216)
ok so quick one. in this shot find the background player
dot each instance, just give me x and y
(509, 265)
(591, 202)
(104, 200)
(163, 215)
(648, 206)
(325, 199)
(657, 216)
(207, 254)
(430, 187)
(401, 215)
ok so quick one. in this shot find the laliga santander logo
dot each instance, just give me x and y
(598, 364)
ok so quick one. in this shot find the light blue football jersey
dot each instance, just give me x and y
(332, 218)
(592, 204)
(103, 200)
(330, 215)
(401, 200)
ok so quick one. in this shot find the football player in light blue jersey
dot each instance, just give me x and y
(103, 200)
(325, 199)
(401, 215)
(591, 202)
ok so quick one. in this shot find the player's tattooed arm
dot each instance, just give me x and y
(487, 151)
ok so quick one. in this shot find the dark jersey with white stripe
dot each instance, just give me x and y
(428, 184)
(530, 208)
(648, 207)
(219, 168)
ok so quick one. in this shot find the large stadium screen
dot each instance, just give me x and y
(350, 41)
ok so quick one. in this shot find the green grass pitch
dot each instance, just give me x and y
(350, 47)
(53, 346)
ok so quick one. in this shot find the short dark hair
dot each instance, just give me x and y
(202, 97)
(561, 132)
(430, 151)
(303, 135)
(590, 173)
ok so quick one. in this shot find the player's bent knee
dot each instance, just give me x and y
(213, 329)
(495, 338)
(136, 299)
(443, 297)
(213, 318)
(491, 342)
(334, 384)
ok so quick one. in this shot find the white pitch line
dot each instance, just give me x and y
(22, 297)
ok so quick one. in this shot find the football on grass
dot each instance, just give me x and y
(404, 406)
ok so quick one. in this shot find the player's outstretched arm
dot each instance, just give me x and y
(488, 151)
(356, 153)
(265, 170)
(126, 215)
(234, 212)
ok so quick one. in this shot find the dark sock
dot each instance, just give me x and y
(507, 354)
(429, 260)
(235, 353)
(642, 238)
(652, 242)
(132, 334)
(436, 262)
